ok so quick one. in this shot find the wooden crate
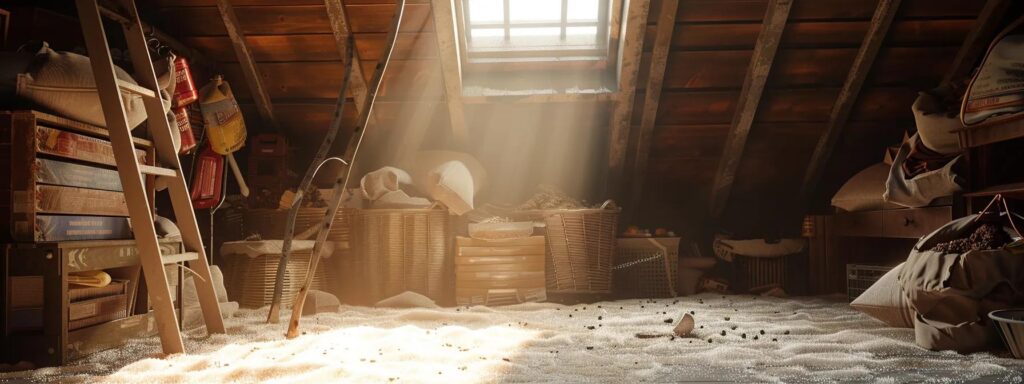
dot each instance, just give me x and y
(499, 272)
(58, 342)
(59, 167)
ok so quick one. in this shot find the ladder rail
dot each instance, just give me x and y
(129, 173)
(181, 199)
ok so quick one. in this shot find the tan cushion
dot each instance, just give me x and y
(452, 184)
(884, 301)
(863, 192)
(320, 302)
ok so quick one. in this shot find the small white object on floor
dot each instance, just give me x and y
(407, 299)
(685, 326)
(320, 302)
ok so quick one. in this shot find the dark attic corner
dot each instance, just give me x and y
(512, 191)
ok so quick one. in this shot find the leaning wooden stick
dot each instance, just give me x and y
(307, 180)
(345, 173)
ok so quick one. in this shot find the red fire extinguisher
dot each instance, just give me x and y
(188, 139)
(208, 182)
(185, 91)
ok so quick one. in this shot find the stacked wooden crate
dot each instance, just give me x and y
(62, 212)
(497, 272)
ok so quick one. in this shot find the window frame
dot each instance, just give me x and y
(601, 51)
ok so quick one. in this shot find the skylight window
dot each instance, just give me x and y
(536, 28)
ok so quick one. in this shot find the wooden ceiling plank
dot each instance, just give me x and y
(848, 95)
(750, 97)
(652, 96)
(451, 67)
(341, 31)
(628, 71)
(985, 27)
(249, 71)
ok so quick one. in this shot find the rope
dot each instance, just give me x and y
(628, 264)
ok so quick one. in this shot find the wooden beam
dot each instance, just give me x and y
(252, 76)
(627, 70)
(848, 95)
(750, 97)
(341, 31)
(451, 67)
(985, 27)
(652, 96)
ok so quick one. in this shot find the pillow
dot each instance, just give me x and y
(63, 82)
(452, 184)
(885, 302)
(922, 189)
(424, 162)
(863, 192)
(320, 302)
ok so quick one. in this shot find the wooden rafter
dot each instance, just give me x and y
(628, 69)
(652, 96)
(341, 30)
(245, 60)
(843, 107)
(451, 66)
(750, 97)
(985, 27)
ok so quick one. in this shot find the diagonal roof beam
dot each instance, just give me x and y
(451, 66)
(746, 108)
(652, 97)
(985, 27)
(628, 68)
(249, 71)
(339, 26)
(841, 110)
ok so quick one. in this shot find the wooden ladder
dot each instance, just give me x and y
(132, 173)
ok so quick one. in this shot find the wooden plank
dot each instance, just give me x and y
(631, 43)
(753, 86)
(294, 19)
(976, 42)
(451, 67)
(753, 10)
(652, 97)
(405, 79)
(342, 33)
(818, 34)
(245, 60)
(848, 96)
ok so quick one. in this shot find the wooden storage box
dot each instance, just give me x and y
(58, 343)
(250, 270)
(499, 272)
(646, 267)
(59, 167)
(405, 250)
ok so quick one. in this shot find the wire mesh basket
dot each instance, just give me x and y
(646, 267)
(860, 277)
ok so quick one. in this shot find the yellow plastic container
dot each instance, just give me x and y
(225, 126)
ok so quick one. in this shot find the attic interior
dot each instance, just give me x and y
(512, 190)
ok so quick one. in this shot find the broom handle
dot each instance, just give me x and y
(345, 173)
(242, 187)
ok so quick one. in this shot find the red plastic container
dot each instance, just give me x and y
(185, 91)
(188, 139)
(208, 182)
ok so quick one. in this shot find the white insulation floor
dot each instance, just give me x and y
(803, 340)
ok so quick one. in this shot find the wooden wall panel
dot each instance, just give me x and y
(293, 19)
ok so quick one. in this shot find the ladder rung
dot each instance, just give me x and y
(174, 259)
(157, 171)
(136, 89)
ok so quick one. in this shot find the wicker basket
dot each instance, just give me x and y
(269, 223)
(646, 267)
(250, 280)
(405, 250)
(580, 246)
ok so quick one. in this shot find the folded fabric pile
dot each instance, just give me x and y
(441, 176)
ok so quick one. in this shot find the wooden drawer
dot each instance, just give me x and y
(859, 224)
(914, 223)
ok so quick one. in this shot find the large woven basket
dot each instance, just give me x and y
(580, 247)
(405, 250)
(250, 280)
(269, 223)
